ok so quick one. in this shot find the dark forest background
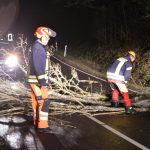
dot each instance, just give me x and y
(107, 23)
(98, 30)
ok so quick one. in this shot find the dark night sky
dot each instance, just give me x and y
(113, 23)
(69, 23)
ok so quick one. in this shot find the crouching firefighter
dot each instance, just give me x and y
(38, 78)
(118, 75)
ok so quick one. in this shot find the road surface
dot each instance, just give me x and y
(77, 132)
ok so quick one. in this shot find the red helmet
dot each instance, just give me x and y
(44, 31)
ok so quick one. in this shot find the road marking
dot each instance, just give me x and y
(117, 133)
(102, 123)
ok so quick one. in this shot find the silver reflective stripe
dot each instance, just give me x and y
(47, 66)
(43, 113)
(115, 76)
(41, 76)
(129, 68)
(44, 118)
(47, 61)
(32, 76)
(32, 81)
(122, 61)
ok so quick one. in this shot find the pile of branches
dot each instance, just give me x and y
(15, 99)
(66, 95)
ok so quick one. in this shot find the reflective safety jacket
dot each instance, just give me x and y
(120, 70)
(39, 64)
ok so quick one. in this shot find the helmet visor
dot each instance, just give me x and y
(51, 32)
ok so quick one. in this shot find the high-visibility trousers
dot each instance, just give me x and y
(40, 105)
(117, 88)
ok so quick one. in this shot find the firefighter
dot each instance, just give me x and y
(118, 75)
(38, 77)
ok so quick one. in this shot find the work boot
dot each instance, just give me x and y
(130, 110)
(115, 104)
(44, 130)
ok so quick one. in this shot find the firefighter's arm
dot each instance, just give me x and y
(127, 73)
(39, 64)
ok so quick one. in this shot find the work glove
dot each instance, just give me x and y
(125, 82)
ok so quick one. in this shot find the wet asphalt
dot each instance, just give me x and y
(93, 136)
(96, 137)
(75, 132)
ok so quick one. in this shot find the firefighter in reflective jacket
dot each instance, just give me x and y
(118, 75)
(38, 77)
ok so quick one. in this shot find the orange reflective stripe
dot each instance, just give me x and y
(44, 118)
(43, 113)
(32, 79)
(42, 76)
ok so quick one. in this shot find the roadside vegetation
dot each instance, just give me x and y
(97, 61)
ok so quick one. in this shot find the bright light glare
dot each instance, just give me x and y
(11, 61)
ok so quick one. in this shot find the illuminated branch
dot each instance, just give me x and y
(69, 91)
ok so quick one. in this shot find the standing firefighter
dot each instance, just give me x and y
(118, 75)
(38, 77)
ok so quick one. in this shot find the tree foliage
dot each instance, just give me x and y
(116, 23)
